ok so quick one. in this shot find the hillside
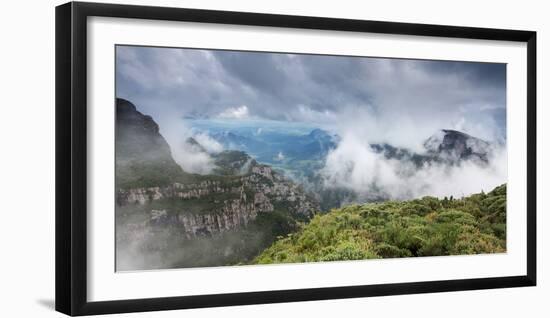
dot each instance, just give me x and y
(421, 227)
(167, 217)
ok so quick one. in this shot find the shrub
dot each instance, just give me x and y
(421, 227)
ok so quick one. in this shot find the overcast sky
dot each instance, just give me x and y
(394, 100)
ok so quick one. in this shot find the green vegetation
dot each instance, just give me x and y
(208, 204)
(133, 174)
(421, 227)
(230, 162)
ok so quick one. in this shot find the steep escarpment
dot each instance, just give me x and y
(143, 157)
(219, 204)
(161, 209)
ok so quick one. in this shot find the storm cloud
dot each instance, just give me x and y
(394, 100)
(363, 100)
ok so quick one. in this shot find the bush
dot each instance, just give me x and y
(390, 251)
(421, 227)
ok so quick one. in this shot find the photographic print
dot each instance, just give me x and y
(246, 158)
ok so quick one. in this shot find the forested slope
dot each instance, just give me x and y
(420, 227)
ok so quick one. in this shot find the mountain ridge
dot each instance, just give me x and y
(159, 204)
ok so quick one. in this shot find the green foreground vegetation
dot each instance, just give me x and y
(422, 227)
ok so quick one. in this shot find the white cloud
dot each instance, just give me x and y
(305, 113)
(410, 99)
(240, 112)
(354, 165)
(189, 157)
(193, 161)
(211, 145)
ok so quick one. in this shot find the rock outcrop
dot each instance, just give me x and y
(261, 191)
(150, 182)
(454, 146)
(143, 157)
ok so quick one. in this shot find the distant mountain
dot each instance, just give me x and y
(317, 144)
(401, 154)
(271, 146)
(319, 134)
(302, 157)
(455, 145)
(233, 141)
(446, 146)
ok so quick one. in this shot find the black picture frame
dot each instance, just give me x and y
(71, 157)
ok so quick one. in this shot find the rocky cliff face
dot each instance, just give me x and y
(152, 186)
(138, 137)
(143, 157)
(231, 204)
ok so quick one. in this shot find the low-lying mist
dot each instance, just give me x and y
(145, 246)
(354, 165)
(191, 158)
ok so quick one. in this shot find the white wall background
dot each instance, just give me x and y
(27, 158)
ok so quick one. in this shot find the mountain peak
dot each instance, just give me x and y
(456, 145)
(140, 148)
(452, 131)
(124, 105)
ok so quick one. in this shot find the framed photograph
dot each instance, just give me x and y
(210, 158)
